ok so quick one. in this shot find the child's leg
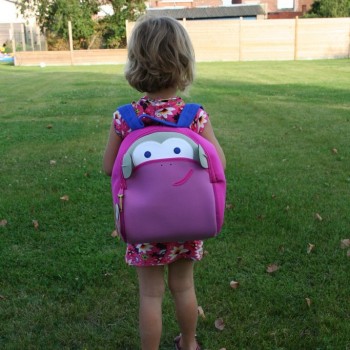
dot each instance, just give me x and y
(181, 285)
(151, 286)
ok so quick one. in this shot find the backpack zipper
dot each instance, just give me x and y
(120, 196)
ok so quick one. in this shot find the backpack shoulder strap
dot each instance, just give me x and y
(188, 114)
(186, 117)
(129, 115)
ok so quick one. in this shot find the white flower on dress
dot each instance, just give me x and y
(117, 117)
(177, 251)
(165, 112)
(202, 120)
(144, 247)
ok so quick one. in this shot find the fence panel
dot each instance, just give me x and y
(325, 38)
(267, 40)
(76, 57)
(215, 40)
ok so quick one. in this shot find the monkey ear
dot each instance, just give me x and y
(127, 165)
(202, 157)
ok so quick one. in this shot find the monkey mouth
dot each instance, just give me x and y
(184, 179)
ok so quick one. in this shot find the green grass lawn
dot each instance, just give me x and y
(285, 129)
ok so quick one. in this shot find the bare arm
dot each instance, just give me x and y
(111, 150)
(208, 133)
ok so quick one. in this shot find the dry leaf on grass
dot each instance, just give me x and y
(344, 243)
(272, 268)
(219, 324)
(35, 224)
(2, 297)
(52, 162)
(115, 234)
(308, 302)
(64, 198)
(310, 248)
(49, 126)
(3, 222)
(334, 151)
(229, 206)
(234, 284)
(318, 217)
(201, 312)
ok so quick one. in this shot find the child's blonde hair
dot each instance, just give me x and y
(160, 55)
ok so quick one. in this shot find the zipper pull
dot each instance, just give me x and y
(120, 196)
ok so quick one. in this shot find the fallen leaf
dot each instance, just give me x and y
(334, 151)
(219, 324)
(52, 162)
(223, 349)
(308, 302)
(114, 234)
(49, 126)
(205, 253)
(229, 205)
(234, 284)
(272, 268)
(64, 198)
(3, 222)
(2, 297)
(201, 312)
(35, 224)
(310, 248)
(344, 243)
(287, 208)
(318, 217)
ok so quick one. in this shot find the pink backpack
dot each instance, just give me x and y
(168, 183)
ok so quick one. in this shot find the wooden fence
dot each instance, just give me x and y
(74, 57)
(231, 40)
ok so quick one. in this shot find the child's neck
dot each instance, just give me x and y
(163, 94)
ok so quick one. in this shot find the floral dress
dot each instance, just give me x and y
(151, 254)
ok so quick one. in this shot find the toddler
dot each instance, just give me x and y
(160, 63)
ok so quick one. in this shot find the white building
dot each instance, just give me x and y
(14, 26)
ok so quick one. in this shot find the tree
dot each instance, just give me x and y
(330, 8)
(52, 17)
(112, 28)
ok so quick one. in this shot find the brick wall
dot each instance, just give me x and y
(284, 15)
(184, 3)
(207, 3)
(304, 5)
(299, 5)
